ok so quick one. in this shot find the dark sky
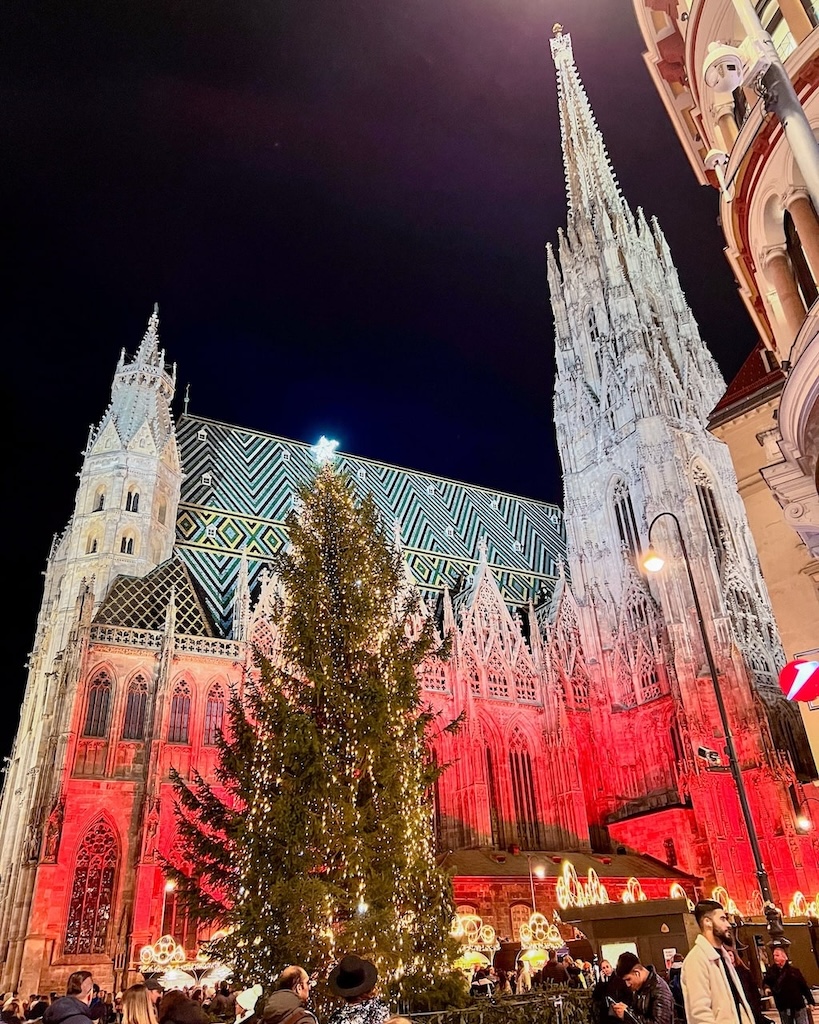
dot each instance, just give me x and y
(341, 207)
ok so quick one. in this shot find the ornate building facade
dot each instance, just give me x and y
(769, 415)
(579, 682)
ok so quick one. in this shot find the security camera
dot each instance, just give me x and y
(710, 757)
(722, 68)
(715, 158)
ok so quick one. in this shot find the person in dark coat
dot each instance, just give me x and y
(175, 1007)
(288, 1004)
(72, 1008)
(675, 984)
(791, 993)
(749, 986)
(609, 987)
(651, 998)
(553, 972)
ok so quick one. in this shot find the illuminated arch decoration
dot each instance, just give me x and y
(720, 894)
(538, 933)
(800, 906)
(571, 892)
(473, 934)
(164, 953)
(92, 891)
(633, 892)
(678, 893)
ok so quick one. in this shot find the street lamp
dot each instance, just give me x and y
(654, 562)
(757, 65)
(540, 871)
(804, 822)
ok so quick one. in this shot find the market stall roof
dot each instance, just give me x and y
(492, 863)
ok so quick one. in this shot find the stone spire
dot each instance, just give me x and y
(591, 184)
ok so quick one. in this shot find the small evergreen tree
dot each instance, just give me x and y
(318, 838)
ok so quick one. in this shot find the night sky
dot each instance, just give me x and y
(341, 207)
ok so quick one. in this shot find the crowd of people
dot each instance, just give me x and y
(353, 980)
(712, 984)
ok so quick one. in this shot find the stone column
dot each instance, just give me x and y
(797, 202)
(776, 266)
(726, 122)
(798, 22)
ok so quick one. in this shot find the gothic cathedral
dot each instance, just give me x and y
(583, 684)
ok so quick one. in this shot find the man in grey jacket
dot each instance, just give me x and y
(288, 1004)
(712, 991)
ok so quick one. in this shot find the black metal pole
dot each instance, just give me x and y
(770, 909)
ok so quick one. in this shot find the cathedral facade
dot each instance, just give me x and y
(581, 683)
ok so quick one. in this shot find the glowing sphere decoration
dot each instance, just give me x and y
(799, 679)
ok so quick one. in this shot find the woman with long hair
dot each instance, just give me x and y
(137, 1007)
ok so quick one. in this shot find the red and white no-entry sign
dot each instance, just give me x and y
(799, 680)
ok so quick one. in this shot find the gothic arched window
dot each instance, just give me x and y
(92, 892)
(711, 514)
(132, 501)
(492, 793)
(135, 704)
(214, 714)
(179, 724)
(99, 502)
(99, 701)
(624, 516)
(126, 546)
(523, 793)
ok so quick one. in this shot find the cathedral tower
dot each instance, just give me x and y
(123, 523)
(634, 387)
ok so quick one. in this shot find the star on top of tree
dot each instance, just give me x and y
(324, 450)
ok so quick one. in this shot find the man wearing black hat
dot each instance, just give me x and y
(354, 980)
(651, 998)
(712, 990)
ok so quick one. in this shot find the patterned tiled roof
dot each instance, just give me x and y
(141, 602)
(240, 484)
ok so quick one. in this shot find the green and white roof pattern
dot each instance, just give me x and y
(240, 485)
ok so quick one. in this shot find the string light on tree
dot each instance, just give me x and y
(323, 836)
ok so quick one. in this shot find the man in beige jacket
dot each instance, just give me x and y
(712, 991)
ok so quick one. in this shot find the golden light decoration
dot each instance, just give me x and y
(678, 893)
(472, 933)
(165, 952)
(720, 894)
(538, 933)
(571, 892)
(633, 892)
(800, 906)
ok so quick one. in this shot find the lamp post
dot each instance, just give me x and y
(540, 872)
(804, 822)
(779, 96)
(654, 562)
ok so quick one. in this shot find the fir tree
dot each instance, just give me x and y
(318, 839)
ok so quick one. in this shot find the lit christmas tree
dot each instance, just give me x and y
(319, 839)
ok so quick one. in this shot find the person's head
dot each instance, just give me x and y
(155, 991)
(353, 979)
(295, 979)
(12, 1006)
(137, 1006)
(606, 969)
(81, 985)
(247, 999)
(632, 972)
(171, 1004)
(713, 923)
(779, 955)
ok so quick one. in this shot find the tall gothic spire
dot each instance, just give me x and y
(590, 179)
